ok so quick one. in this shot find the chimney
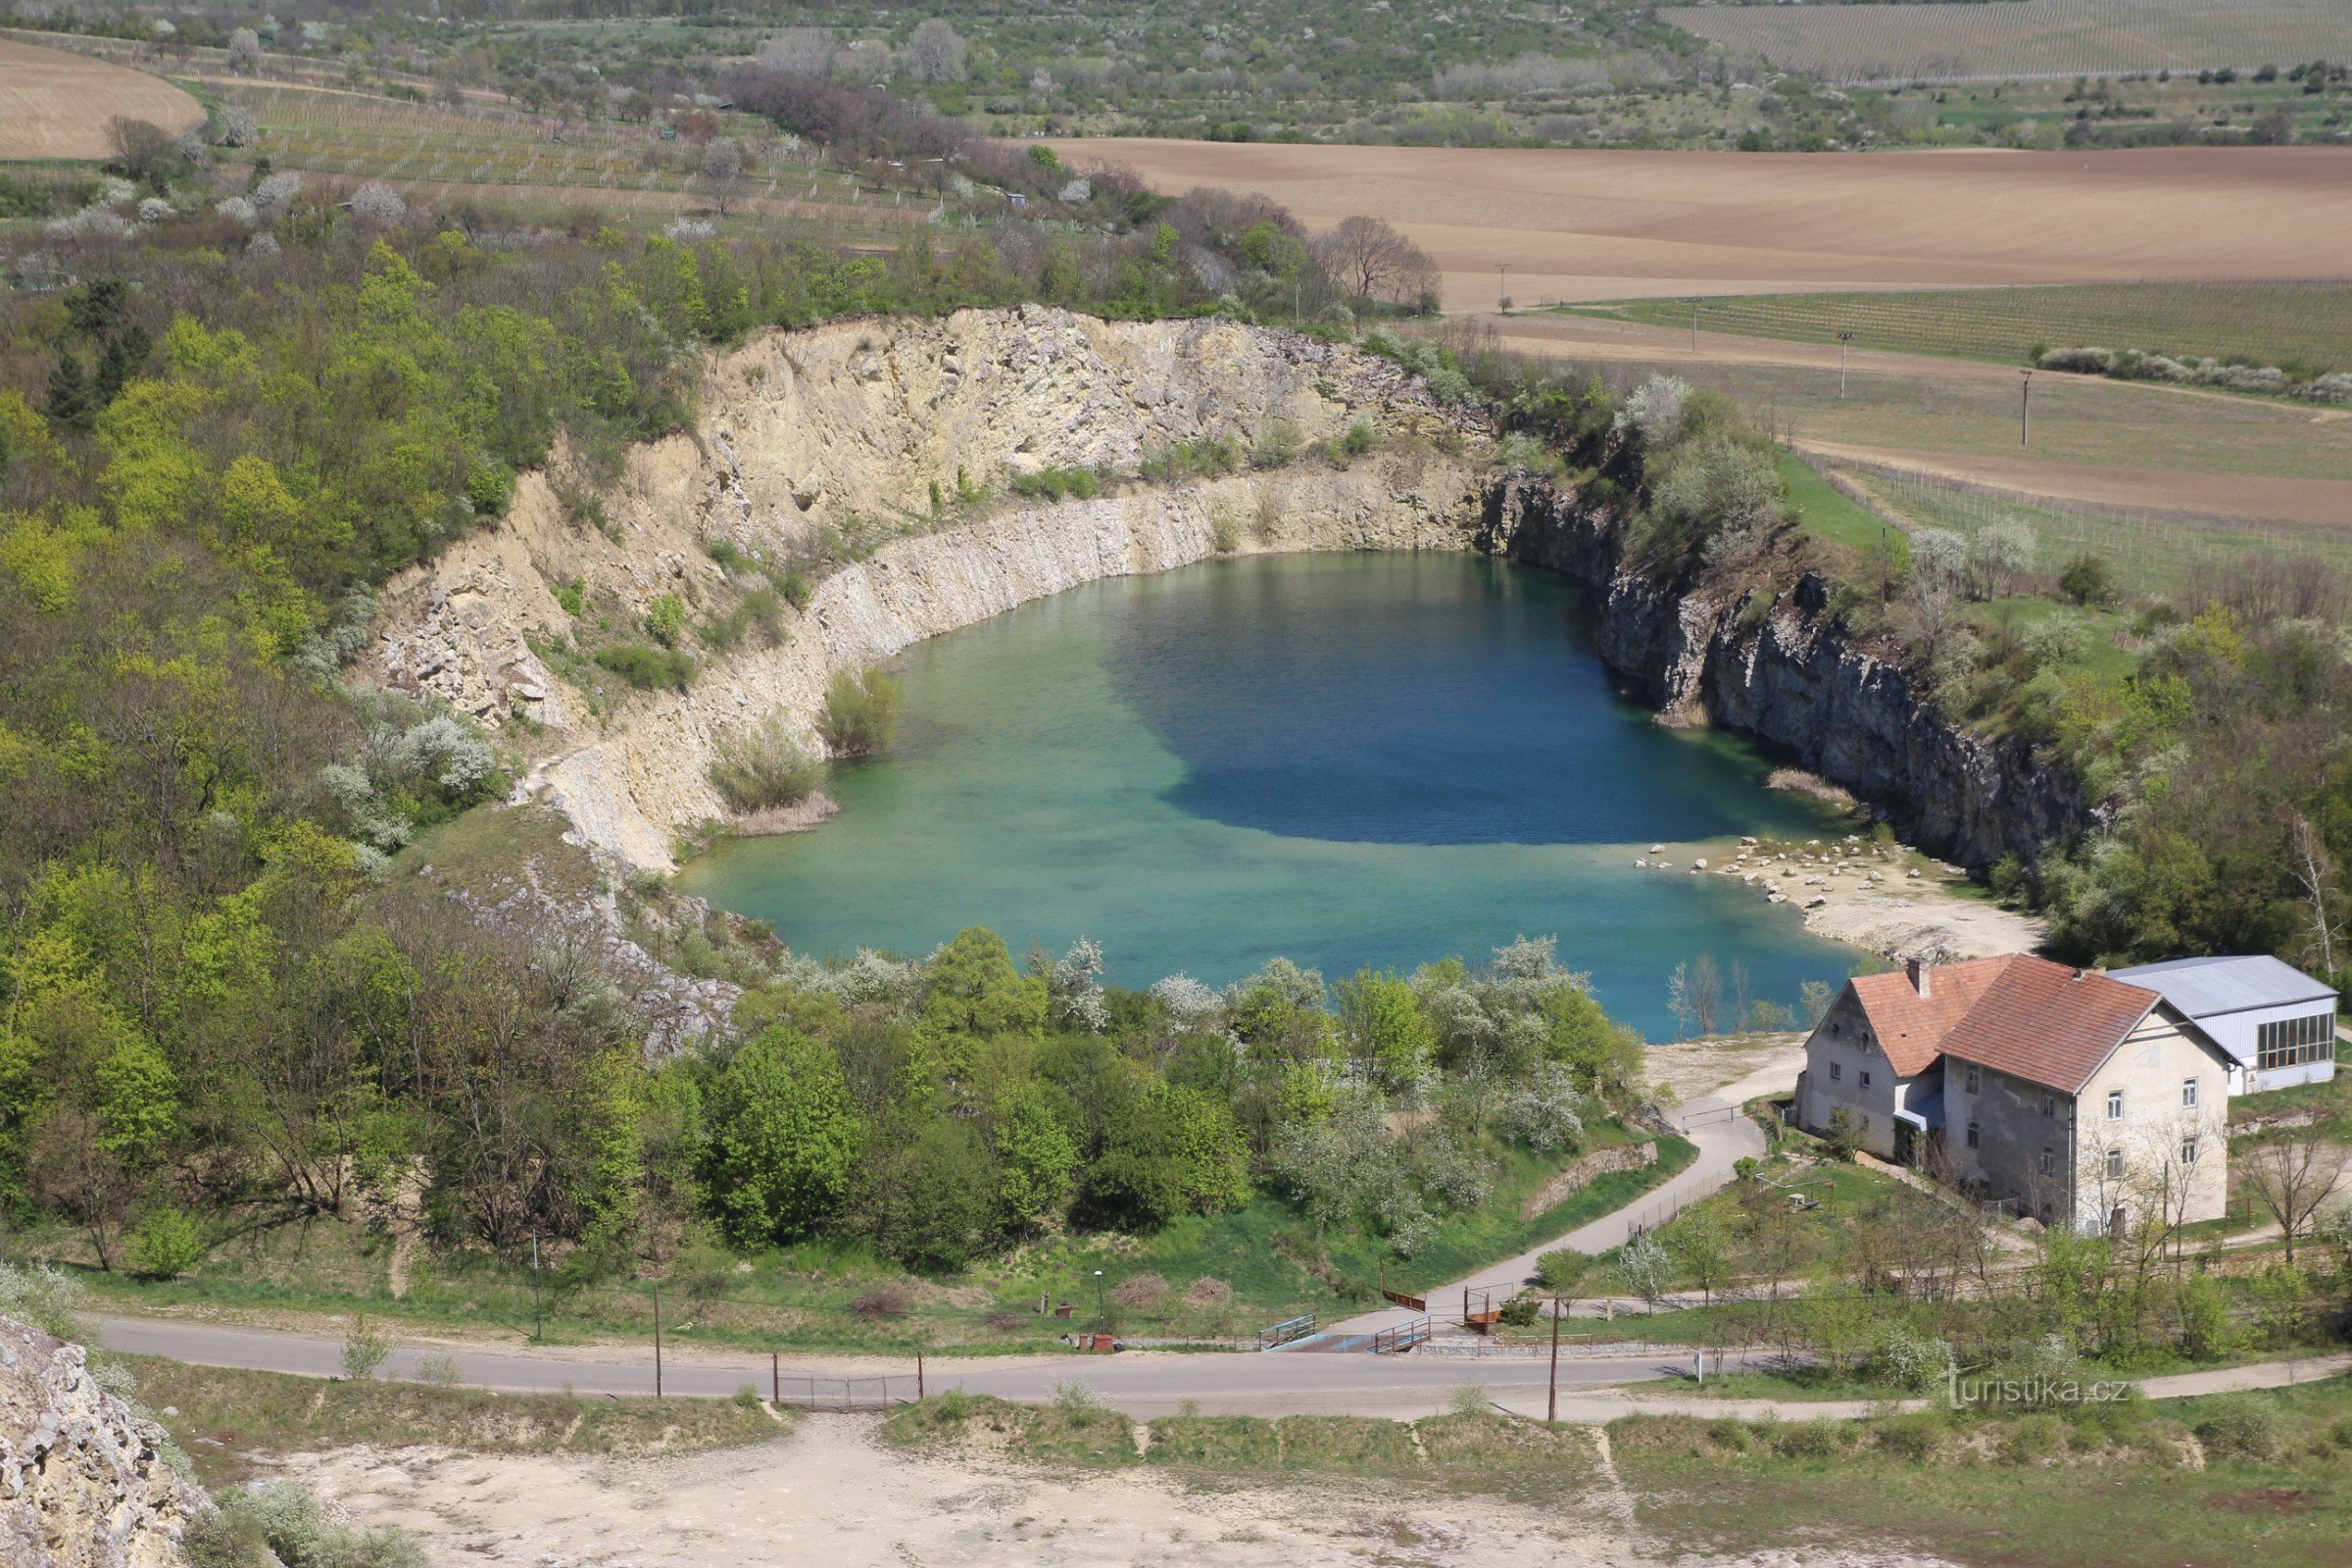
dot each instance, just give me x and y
(1917, 969)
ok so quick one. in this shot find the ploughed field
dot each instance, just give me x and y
(1582, 225)
(57, 104)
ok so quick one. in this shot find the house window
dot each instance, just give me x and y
(2115, 1164)
(2293, 1042)
(2188, 1093)
(2189, 1151)
(1837, 1070)
(1971, 1135)
(1866, 1077)
(1971, 1081)
(2049, 1105)
(2114, 1104)
(2048, 1161)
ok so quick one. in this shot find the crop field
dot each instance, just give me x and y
(57, 104)
(1577, 225)
(2277, 323)
(1850, 43)
(2151, 551)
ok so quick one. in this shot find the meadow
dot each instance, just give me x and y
(2283, 322)
(2024, 37)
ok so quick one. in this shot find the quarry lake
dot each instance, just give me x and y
(1368, 759)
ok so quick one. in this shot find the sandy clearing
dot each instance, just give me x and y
(57, 104)
(830, 1492)
(1609, 225)
(2233, 494)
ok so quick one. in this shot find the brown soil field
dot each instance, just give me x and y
(2228, 495)
(1610, 224)
(57, 104)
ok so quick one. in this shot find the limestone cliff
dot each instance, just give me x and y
(83, 1480)
(860, 428)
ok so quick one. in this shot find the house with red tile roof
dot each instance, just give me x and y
(2066, 1093)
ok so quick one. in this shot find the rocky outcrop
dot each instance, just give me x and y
(83, 1480)
(872, 428)
(1794, 676)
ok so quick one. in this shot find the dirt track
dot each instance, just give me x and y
(1587, 226)
(57, 104)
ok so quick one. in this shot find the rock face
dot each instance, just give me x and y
(1796, 678)
(873, 428)
(82, 1481)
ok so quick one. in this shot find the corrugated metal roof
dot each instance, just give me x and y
(2206, 988)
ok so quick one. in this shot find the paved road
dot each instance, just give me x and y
(1713, 1124)
(1141, 1384)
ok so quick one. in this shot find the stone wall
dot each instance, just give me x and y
(1586, 1169)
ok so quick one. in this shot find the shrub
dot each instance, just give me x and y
(2033, 1438)
(2086, 580)
(1808, 1440)
(363, 1348)
(648, 668)
(1140, 1289)
(2240, 1426)
(861, 713)
(1358, 440)
(1075, 1396)
(1915, 1436)
(763, 767)
(283, 1518)
(1468, 1399)
(884, 1301)
(166, 1244)
(38, 1295)
(666, 619)
(1915, 1362)
(1207, 1292)
(441, 1371)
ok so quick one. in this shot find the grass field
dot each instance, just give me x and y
(2149, 553)
(57, 104)
(2025, 38)
(2307, 324)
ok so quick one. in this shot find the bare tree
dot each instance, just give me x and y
(722, 171)
(799, 52)
(1370, 262)
(936, 52)
(2309, 866)
(140, 146)
(2293, 1180)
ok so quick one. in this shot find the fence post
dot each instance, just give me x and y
(775, 1378)
(657, 1341)
(919, 1375)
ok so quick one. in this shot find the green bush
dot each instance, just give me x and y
(763, 767)
(166, 1244)
(666, 619)
(1059, 484)
(2240, 1426)
(1809, 1440)
(861, 713)
(2032, 1439)
(283, 1518)
(2086, 580)
(648, 668)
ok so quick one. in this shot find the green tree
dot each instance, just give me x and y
(973, 995)
(1037, 1156)
(1386, 1028)
(784, 1140)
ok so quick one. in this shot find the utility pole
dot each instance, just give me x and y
(1102, 1311)
(2025, 408)
(538, 1312)
(1503, 288)
(1552, 1402)
(1843, 338)
(1694, 301)
(657, 1340)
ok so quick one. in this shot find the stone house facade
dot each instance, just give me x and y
(2073, 1095)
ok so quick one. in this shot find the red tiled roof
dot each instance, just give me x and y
(2049, 1023)
(1911, 1028)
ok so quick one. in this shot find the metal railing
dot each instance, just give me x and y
(1403, 1337)
(1289, 1330)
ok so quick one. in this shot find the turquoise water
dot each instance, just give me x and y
(1348, 760)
